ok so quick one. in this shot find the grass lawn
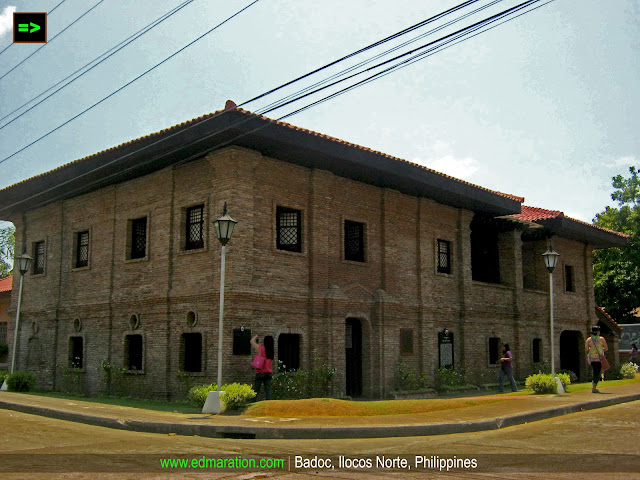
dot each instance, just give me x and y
(180, 407)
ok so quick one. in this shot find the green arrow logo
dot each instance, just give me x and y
(24, 27)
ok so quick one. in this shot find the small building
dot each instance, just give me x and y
(345, 256)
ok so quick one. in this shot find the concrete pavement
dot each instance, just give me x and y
(512, 410)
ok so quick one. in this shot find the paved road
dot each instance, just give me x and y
(620, 426)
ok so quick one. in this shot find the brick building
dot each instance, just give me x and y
(344, 255)
(5, 300)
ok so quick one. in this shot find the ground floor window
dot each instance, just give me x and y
(133, 352)
(242, 341)
(495, 350)
(536, 350)
(289, 350)
(191, 352)
(76, 352)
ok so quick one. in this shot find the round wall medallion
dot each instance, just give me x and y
(192, 319)
(134, 321)
(77, 324)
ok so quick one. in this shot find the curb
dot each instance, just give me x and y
(254, 432)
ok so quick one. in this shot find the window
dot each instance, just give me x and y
(191, 352)
(82, 249)
(353, 241)
(38, 258)
(406, 341)
(289, 351)
(537, 350)
(138, 238)
(495, 351)
(569, 278)
(76, 352)
(242, 341)
(485, 253)
(288, 229)
(195, 228)
(444, 256)
(4, 337)
(133, 352)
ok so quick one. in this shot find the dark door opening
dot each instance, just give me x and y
(570, 351)
(353, 356)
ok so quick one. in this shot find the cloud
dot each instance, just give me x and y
(6, 19)
(463, 168)
(627, 161)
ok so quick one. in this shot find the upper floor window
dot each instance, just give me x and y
(569, 278)
(195, 228)
(288, 229)
(353, 241)
(138, 238)
(485, 254)
(444, 256)
(38, 258)
(82, 249)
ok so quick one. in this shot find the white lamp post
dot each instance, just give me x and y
(224, 228)
(22, 262)
(550, 261)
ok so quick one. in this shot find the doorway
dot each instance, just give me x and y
(353, 357)
(570, 342)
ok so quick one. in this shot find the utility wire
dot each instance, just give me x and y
(220, 145)
(131, 81)
(128, 41)
(48, 13)
(377, 56)
(52, 39)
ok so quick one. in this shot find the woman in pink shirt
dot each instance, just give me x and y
(264, 374)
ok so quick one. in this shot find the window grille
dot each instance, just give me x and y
(82, 253)
(139, 238)
(444, 256)
(195, 227)
(288, 227)
(38, 258)
(354, 241)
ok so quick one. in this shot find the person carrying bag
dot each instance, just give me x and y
(596, 347)
(263, 365)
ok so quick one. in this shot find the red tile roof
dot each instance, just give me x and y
(5, 283)
(532, 214)
(231, 106)
(600, 310)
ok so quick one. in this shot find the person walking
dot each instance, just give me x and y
(264, 373)
(634, 354)
(596, 347)
(506, 368)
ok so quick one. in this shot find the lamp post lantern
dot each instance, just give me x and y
(224, 228)
(22, 263)
(550, 261)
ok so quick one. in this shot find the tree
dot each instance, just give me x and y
(7, 247)
(616, 271)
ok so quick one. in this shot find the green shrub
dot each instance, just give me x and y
(541, 367)
(292, 385)
(572, 376)
(3, 374)
(628, 370)
(448, 377)
(198, 395)
(236, 395)
(408, 380)
(543, 382)
(20, 381)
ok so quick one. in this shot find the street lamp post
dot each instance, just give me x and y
(550, 261)
(224, 228)
(22, 262)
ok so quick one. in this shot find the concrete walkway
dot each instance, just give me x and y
(513, 410)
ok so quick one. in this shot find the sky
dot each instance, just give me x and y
(542, 107)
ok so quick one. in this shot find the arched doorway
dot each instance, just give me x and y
(570, 348)
(353, 356)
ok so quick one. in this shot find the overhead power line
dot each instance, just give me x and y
(48, 13)
(126, 42)
(52, 38)
(132, 81)
(421, 55)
